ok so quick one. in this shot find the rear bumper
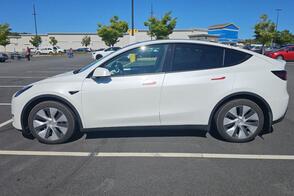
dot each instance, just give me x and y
(280, 119)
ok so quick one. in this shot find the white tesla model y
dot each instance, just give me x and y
(159, 83)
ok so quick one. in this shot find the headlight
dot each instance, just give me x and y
(22, 90)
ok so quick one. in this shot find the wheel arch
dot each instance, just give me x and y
(261, 102)
(42, 98)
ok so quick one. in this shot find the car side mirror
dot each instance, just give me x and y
(101, 72)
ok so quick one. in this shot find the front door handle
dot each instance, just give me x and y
(148, 83)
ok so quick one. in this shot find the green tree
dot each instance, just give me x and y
(264, 31)
(161, 28)
(86, 41)
(53, 41)
(36, 41)
(284, 37)
(4, 33)
(111, 34)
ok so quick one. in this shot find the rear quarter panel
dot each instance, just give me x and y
(255, 76)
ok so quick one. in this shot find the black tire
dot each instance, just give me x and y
(63, 110)
(98, 56)
(223, 113)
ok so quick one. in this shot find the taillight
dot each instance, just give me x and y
(282, 74)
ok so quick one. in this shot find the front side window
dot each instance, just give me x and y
(142, 60)
(188, 57)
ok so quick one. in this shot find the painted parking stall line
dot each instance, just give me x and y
(23, 77)
(5, 104)
(11, 86)
(148, 155)
(6, 123)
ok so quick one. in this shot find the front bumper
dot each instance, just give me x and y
(16, 110)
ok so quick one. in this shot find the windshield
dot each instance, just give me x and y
(88, 66)
(84, 67)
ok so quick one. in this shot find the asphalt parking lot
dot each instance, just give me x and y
(138, 162)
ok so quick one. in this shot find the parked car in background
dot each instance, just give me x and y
(83, 50)
(159, 83)
(50, 50)
(33, 50)
(17, 55)
(285, 53)
(3, 57)
(99, 54)
(100, 49)
(257, 49)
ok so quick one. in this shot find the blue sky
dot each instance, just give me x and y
(83, 15)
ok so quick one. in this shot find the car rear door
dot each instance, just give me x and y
(194, 83)
(131, 96)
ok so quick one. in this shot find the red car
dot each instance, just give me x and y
(285, 53)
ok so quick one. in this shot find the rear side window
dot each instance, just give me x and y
(188, 57)
(196, 57)
(234, 57)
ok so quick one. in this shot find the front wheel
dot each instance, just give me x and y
(51, 122)
(239, 120)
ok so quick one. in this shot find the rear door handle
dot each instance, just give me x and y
(148, 83)
(219, 78)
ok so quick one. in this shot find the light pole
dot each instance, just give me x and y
(132, 18)
(35, 19)
(278, 14)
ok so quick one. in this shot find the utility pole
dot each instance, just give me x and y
(132, 17)
(278, 14)
(35, 19)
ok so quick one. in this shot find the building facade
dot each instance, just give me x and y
(227, 33)
(73, 40)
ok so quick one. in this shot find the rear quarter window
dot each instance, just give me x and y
(234, 57)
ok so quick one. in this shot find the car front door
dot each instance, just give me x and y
(130, 97)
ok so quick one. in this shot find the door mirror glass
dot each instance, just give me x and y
(101, 72)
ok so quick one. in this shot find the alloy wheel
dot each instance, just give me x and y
(50, 123)
(241, 122)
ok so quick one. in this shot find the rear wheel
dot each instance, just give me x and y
(239, 120)
(280, 57)
(51, 122)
